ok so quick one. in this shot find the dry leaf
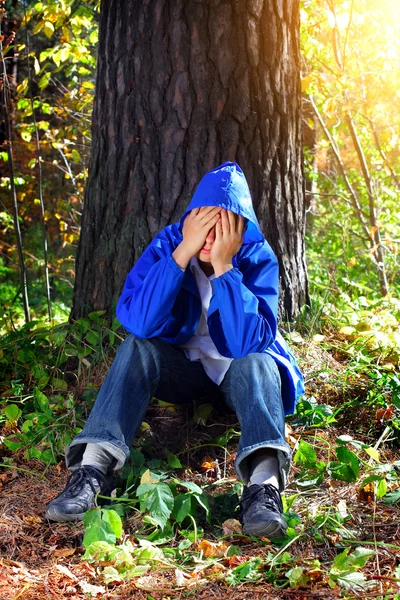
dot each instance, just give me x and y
(367, 493)
(64, 552)
(234, 561)
(65, 571)
(207, 464)
(342, 508)
(347, 330)
(232, 527)
(147, 478)
(289, 436)
(149, 583)
(88, 588)
(212, 549)
(318, 338)
(32, 520)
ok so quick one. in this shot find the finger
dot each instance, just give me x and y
(195, 211)
(232, 221)
(218, 229)
(225, 221)
(208, 212)
(240, 225)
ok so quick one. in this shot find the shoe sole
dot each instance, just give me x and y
(273, 529)
(53, 514)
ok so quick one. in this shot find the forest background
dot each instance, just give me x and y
(347, 339)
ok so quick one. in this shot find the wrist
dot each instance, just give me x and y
(222, 267)
(182, 255)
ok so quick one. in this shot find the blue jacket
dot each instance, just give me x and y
(161, 300)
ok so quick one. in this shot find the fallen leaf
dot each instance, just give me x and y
(32, 520)
(64, 552)
(382, 414)
(88, 588)
(295, 337)
(318, 338)
(232, 527)
(367, 493)
(212, 549)
(235, 560)
(342, 508)
(347, 330)
(65, 571)
(207, 464)
(150, 583)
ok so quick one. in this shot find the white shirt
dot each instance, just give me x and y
(200, 346)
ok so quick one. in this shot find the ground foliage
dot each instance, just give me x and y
(172, 531)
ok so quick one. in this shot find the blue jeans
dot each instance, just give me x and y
(146, 368)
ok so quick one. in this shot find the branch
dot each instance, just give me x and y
(335, 150)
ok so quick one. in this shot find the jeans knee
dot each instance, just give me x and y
(257, 365)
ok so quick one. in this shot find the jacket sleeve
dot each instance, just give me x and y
(242, 317)
(150, 291)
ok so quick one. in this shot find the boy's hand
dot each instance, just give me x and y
(228, 240)
(195, 230)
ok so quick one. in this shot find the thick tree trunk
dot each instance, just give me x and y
(183, 85)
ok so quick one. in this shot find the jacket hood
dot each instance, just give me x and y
(226, 186)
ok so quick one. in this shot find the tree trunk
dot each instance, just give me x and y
(183, 85)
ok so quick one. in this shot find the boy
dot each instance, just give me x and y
(201, 307)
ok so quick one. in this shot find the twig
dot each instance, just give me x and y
(40, 179)
(22, 268)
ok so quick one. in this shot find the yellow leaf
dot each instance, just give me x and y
(48, 29)
(147, 478)
(210, 549)
(305, 82)
(318, 337)
(347, 330)
(373, 453)
(295, 337)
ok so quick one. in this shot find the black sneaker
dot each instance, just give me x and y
(79, 494)
(261, 511)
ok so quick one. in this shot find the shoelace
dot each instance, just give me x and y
(80, 478)
(267, 494)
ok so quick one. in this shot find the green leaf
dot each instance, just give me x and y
(59, 384)
(94, 37)
(182, 507)
(44, 81)
(13, 445)
(173, 461)
(12, 412)
(353, 580)
(92, 338)
(189, 485)
(305, 455)
(97, 529)
(76, 157)
(381, 489)
(348, 469)
(344, 561)
(114, 520)
(297, 577)
(201, 413)
(41, 401)
(158, 499)
(392, 497)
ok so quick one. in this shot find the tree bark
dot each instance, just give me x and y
(183, 85)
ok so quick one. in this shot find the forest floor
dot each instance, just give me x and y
(42, 560)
